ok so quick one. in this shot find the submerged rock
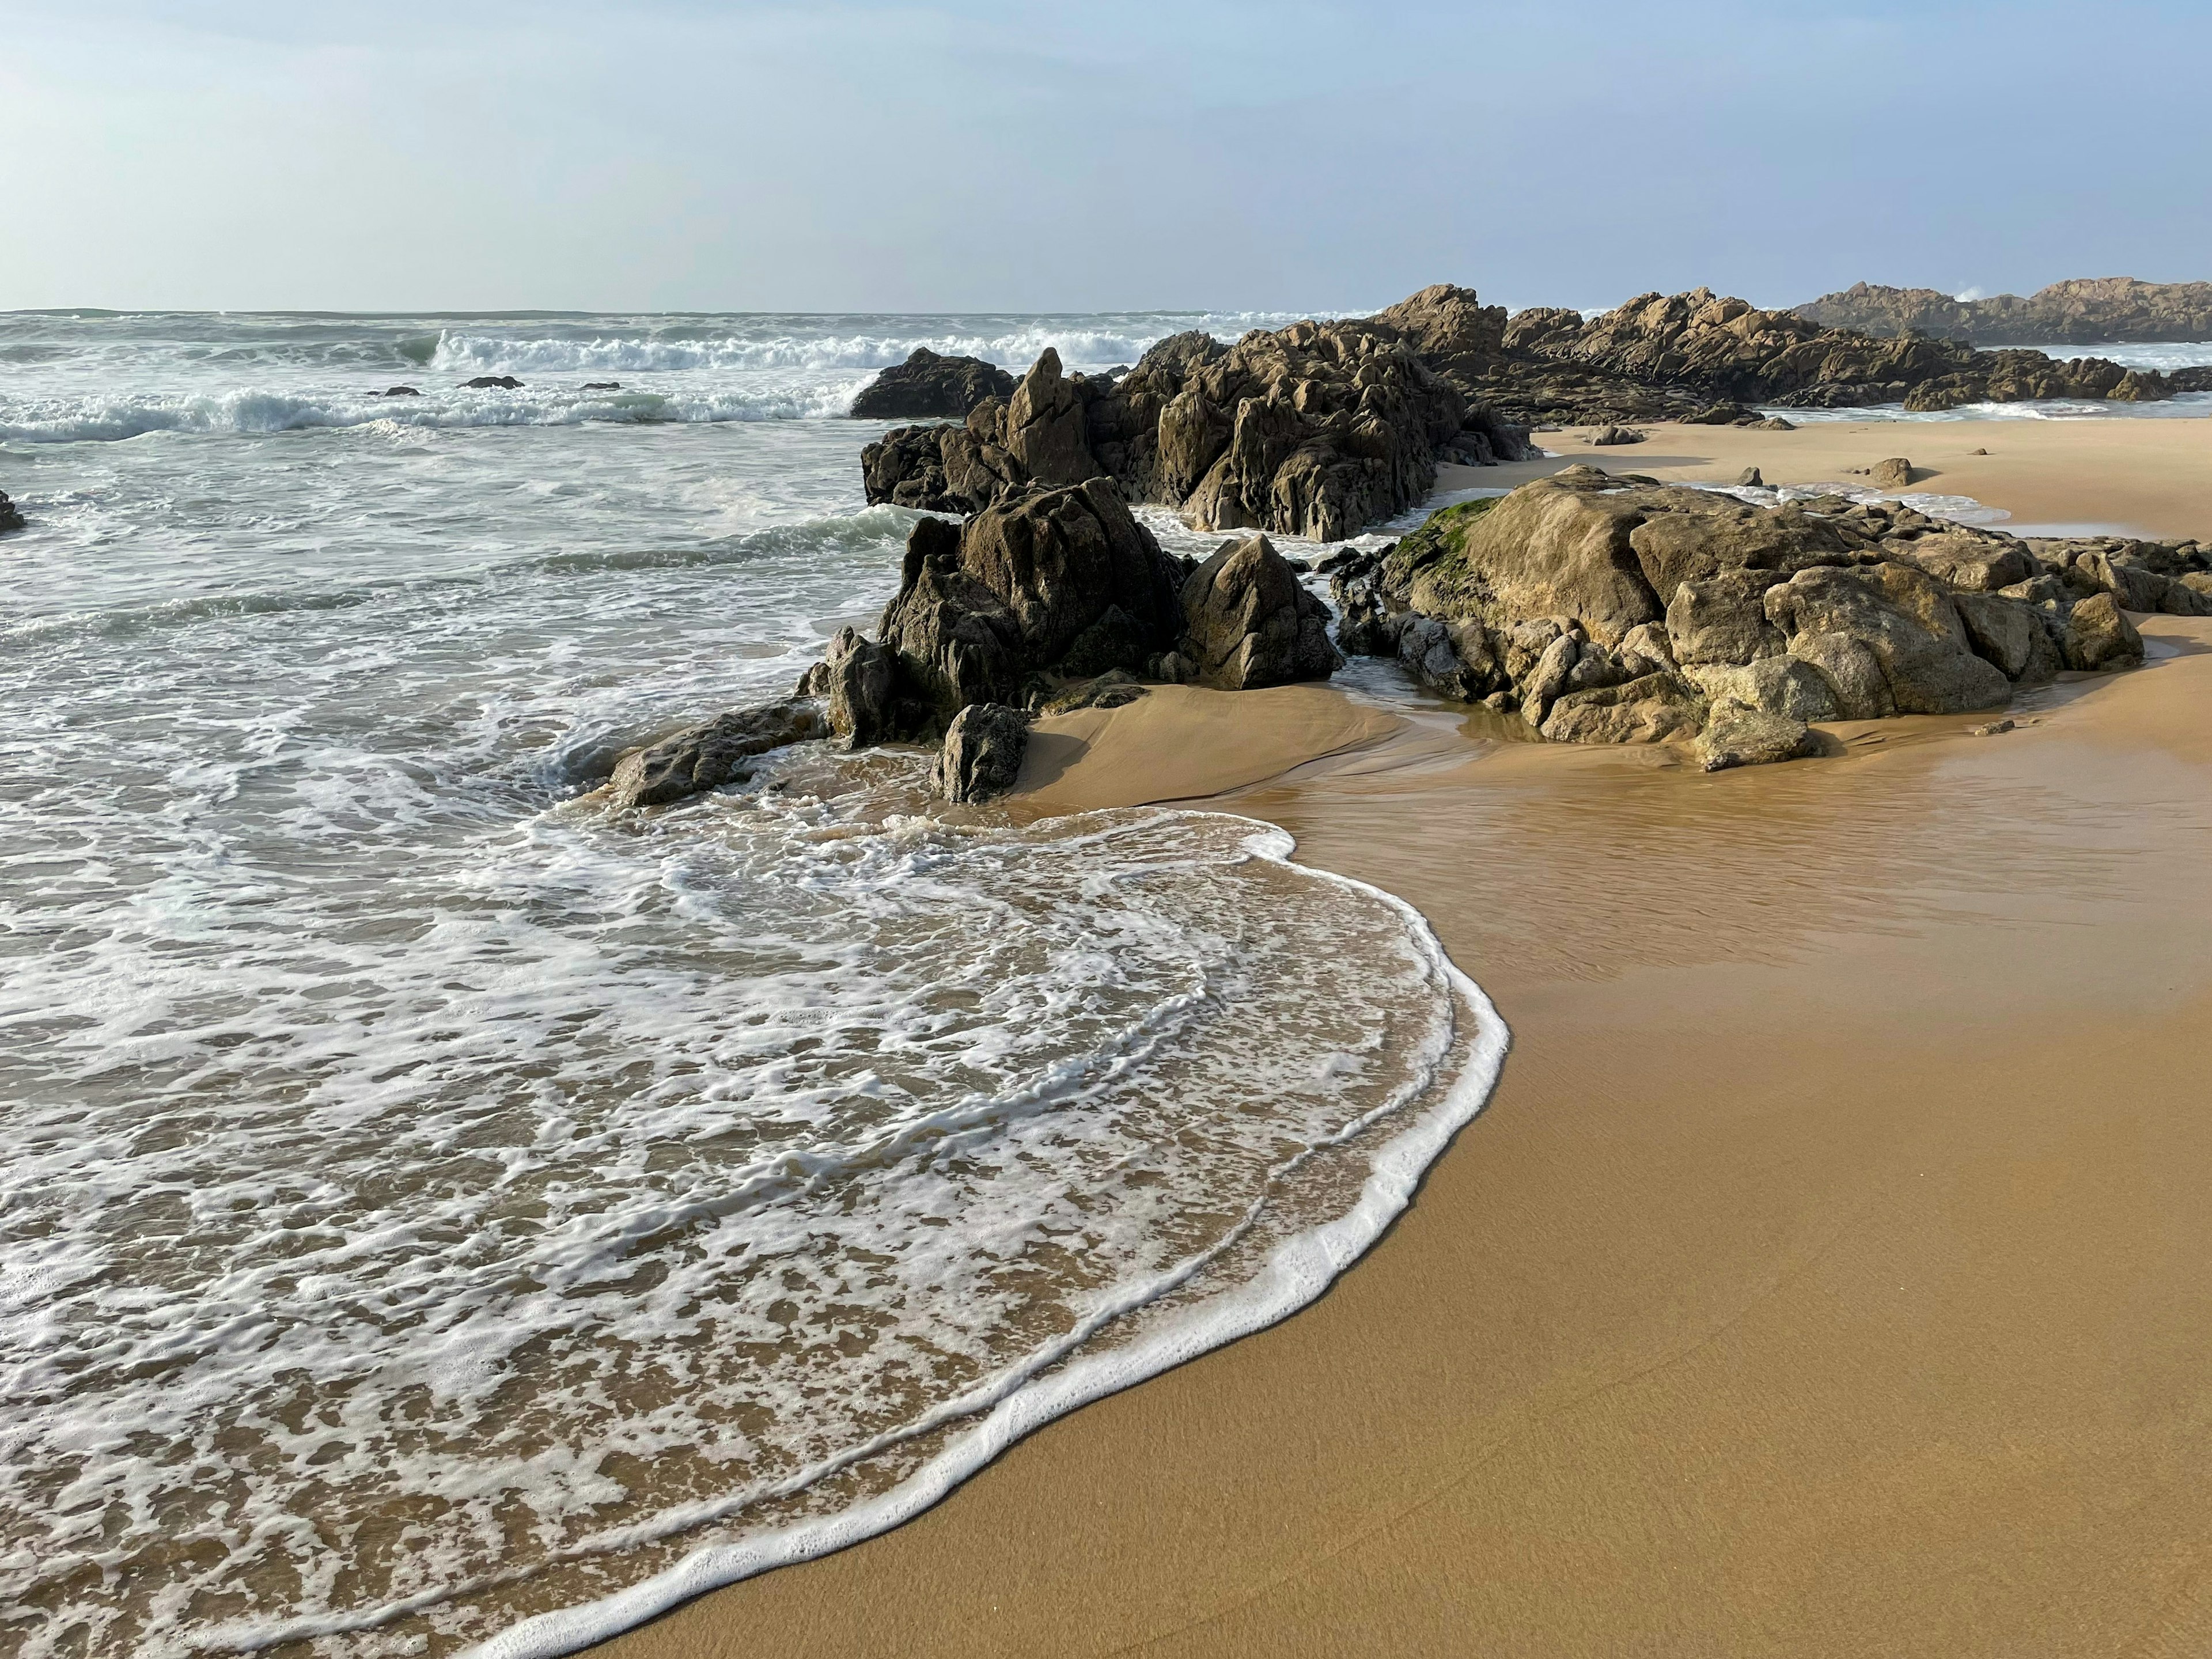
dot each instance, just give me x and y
(492, 383)
(710, 754)
(981, 755)
(10, 516)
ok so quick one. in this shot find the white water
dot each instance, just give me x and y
(430, 1203)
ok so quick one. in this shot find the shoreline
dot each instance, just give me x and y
(1821, 1276)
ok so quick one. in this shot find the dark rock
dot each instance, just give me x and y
(10, 516)
(397, 392)
(1776, 423)
(1749, 479)
(603, 386)
(1658, 709)
(813, 681)
(859, 678)
(1785, 686)
(981, 755)
(1723, 618)
(492, 382)
(1248, 622)
(1613, 437)
(927, 385)
(710, 754)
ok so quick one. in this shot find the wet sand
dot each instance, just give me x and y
(1828, 1276)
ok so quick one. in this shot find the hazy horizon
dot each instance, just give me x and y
(971, 158)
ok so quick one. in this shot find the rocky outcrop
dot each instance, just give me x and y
(1317, 430)
(2105, 310)
(926, 385)
(10, 516)
(1248, 622)
(711, 754)
(492, 383)
(981, 754)
(1548, 601)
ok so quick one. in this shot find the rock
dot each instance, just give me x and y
(2082, 312)
(813, 681)
(1658, 709)
(11, 517)
(926, 385)
(1648, 643)
(1547, 682)
(1895, 473)
(2133, 586)
(603, 386)
(1775, 423)
(1995, 728)
(1116, 689)
(1749, 479)
(1977, 452)
(1854, 676)
(709, 755)
(1905, 619)
(1784, 686)
(1045, 427)
(397, 392)
(1737, 734)
(2099, 636)
(1723, 619)
(1613, 437)
(2009, 633)
(1454, 662)
(2197, 582)
(1725, 413)
(1967, 559)
(860, 681)
(492, 382)
(1248, 623)
(981, 755)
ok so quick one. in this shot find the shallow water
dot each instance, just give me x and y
(431, 1202)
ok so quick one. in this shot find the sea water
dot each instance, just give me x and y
(436, 1211)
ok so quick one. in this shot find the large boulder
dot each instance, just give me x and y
(1966, 560)
(1656, 708)
(2099, 636)
(981, 754)
(927, 385)
(1788, 687)
(1058, 559)
(1905, 620)
(2009, 633)
(860, 683)
(712, 753)
(1723, 619)
(1248, 622)
(1044, 427)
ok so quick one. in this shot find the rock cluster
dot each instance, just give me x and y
(2082, 312)
(10, 516)
(1622, 611)
(1317, 430)
(927, 385)
(1047, 597)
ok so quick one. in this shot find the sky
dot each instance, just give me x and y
(678, 155)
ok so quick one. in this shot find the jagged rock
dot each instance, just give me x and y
(11, 517)
(2099, 636)
(981, 755)
(1904, 617)
(1045, 427)
(1658, 709)
(1248, 623)
(1749, 479)
(710, 754)
(860, 681)
(1785, 686)
(492, 382)
(1454, 662)
(927, 384)
(1966, 560)
(1739, 734)
(1114, 689)
(2082, 312)
(813, 681)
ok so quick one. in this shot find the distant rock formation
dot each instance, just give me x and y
(1317, 430)
(1605, 609)
(926, 385)
(2085, 311)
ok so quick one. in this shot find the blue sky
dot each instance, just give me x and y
(680, 154)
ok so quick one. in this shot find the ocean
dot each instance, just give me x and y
(437, 1214)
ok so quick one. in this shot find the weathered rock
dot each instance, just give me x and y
(1247, 621)
(1776, 423)
(1114, 689)
(1045, 433)
(603, 386)
(710, 754)
(1855, 678)
(860, 683)
(813, 681)
(492, 383)
(2099, 636)
(1723, 619)
(1965, 559)
(1453, 661)
(1739, 734)
(397, 392)
(927, 384)
(1613, 437)
(1895, 473)
(1784, 686)
(2008, 633)
(2082, 312)
(1749, 479)
(11, 517)
(981, 755)
(1658, 709)
(1907, 620)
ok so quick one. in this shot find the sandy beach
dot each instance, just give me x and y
(1825, 1275)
